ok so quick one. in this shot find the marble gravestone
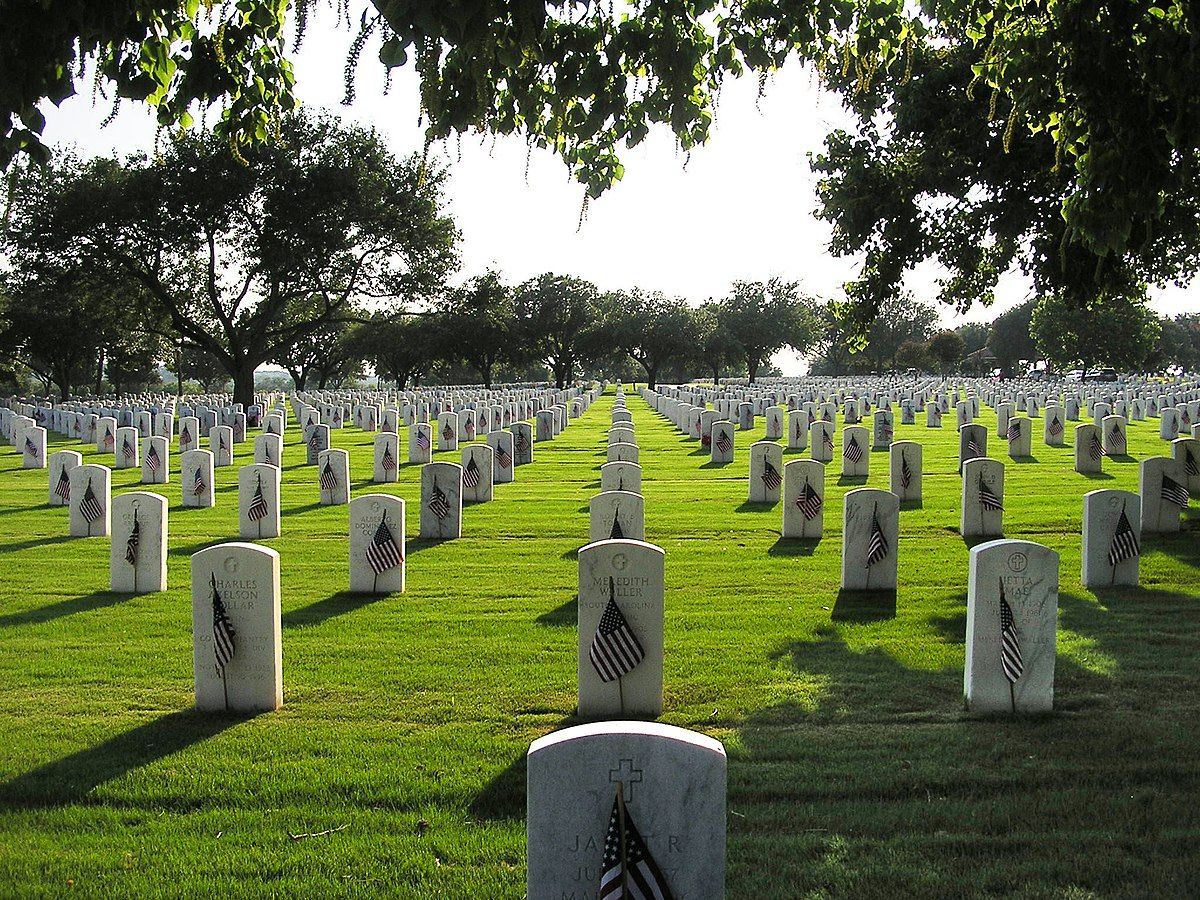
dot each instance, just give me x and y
(268, 448)
(220, 443)
(189, 433)
(1089, 451)
(333, 477)
(1012, 615)
(1162, 486)
(156, 463)
(856, 454)
(1020, 437)
(522, 433)
(766, 472)
(196, 478)
(258, 501)
(982, 513)
(820, 441)
(774, 426)
(870, 533)
(33, 447)
(798, 425)
(126, 449)
(1168, 424)
(624, 452)
(883, 429)
(972, 444)
(933, 416)
(621, 476)
(420, 443)
(621, 435)
(137, 562)
(89, 509)
(447, 431)
(60, 466)
(237, 646)
(1054, 427)
(905, 471)
(1186, 452)
(620, 638)
(1112, 537)
(501, 443)
(386, 466)
(478, 465)
(316, 441)
(1112, 429)
(803, 499)
(441, 501)
(376, 544)
(106, 434)
(672, 787)
(545, 425)
(616, 515)
(722, 442)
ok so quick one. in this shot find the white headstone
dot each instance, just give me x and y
(137, 560)
(617, 515)
(803, 499)
(237, 646)
(856, 454)
(126, 452)
(905, 471)
(376, 544)
(220, 443)
(60, 466)
(1163, 489)
(91, 488)
(982, 511)
(1112, 537)
(386, 467)
(333, 477)
(478, 463)
(621, 476)
(441, 501)
(870, 535)
(501, 443)
(258, 501)
(156, 461)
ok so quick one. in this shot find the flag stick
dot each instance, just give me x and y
(624, 847)
(375, 584)
(621, 692)
(225, 688)
(1012, 696)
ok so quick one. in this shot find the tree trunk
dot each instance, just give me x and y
(243, 382)
(716, 373)
(99, 369)
(299, 377)
(752, 365)
(651, 375)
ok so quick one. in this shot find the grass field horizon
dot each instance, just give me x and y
(396, 765)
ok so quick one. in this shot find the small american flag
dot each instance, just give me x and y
(1124, 542)
(503, 457)
(127, 449)
(809, 502)
(723, 443)
(438, 504)
(1014, 431)
(471, 474)
(327, 481)
(470, 426)
(706, 440)
(383, 553)
(221, 448)
(135, 538)
(258, 505)
(1174, 492)
(388, 462)
(1095, 451)
(109, 439)
(799, 431)
(1010, 646)
(31, 448)
(1116, 438)
(152, 459)
(770, 476)
(936, 418)
(615, 649)
(852, 451)
(447, 433)
(521, 442)
(988, 498)
(198, 485)
(223, 633)
(906, 474)
(185, 436)
(314, 445)
(63, 487)
(1055, 427)
(89, 506)
(422, 439)
(827, 440)
(877, 549)
(885, 433)
(1189, 464)
(270, 426)
(628, 871)
(616, 533)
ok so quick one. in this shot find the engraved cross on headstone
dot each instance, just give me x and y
(626, 775)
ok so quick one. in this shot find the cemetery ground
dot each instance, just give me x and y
(396, 765)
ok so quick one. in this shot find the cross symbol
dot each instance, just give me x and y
(625, 775)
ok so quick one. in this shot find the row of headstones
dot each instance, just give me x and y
(618, 510)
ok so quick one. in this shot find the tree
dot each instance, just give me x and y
(915, 355)
(947, 348)
(1115, 331)
(765, 317)
(1174, 348)
(1010, 339)
(715, 349)
(478, 324)
(246, 260)
(557, 315)
(1106, 90)
(901, 319)
(401, 348)
(974, 336)
(652, 328)
(198, 365)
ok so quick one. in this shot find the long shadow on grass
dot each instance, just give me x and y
(793, 547)
(72, 778)
(87, 603)
(339, 604)
(749, 506)
(503, 797)
(864, 606)
(35, 542)
(562, 616)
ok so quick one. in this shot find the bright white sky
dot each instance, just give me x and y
(741, 209)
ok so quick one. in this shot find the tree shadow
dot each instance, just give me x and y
(339, 604)
(847, 480)
(793, 546)
(36, 542)
(202, 545)
(68, 607)
(917, 503)
(716, 465)
(561, 616)
(421, 544)
(1097, 476)
(756, 506)
(70, 779)
(1023, 460)
(864, 606)
(503, 797)
(14, 510)
(307, 507)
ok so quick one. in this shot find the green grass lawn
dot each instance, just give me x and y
(853, 770)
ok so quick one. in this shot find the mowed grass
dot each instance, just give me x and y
(853, 770)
